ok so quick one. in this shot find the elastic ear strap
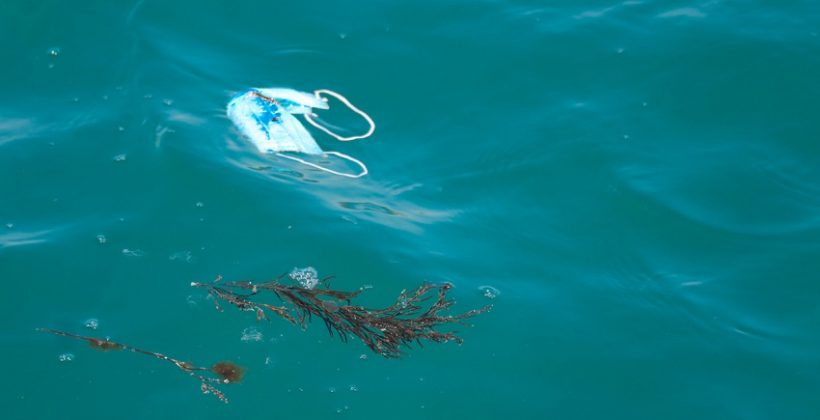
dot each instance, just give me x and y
(328, 170)
(309, 117)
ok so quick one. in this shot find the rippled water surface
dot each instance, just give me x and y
(637, 183)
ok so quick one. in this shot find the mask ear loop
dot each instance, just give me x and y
(309, 117)
(328, 170)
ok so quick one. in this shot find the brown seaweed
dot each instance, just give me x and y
(221, 373)
(385, 331)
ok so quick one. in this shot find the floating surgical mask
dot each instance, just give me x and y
(266, 117)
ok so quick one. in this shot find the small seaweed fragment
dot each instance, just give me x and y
(384, 331)
(220, 373)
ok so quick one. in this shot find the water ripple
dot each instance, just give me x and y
(14, 238)
(765, 197)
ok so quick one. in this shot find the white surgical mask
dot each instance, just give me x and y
(266, 118)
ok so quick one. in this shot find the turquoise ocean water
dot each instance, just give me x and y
(640, 181)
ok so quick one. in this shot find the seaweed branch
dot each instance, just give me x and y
(385, 331)
(219, 373)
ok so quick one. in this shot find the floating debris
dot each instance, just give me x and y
(267, 118)
(209, 377)
(385, 331)
(101, 239)
(120, 158)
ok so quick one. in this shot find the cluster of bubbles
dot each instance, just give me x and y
(489, 292)
(184, 256)
(251, 334)
(307, 277)
(91, 323)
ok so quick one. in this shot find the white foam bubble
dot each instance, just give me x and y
(91, 323)
(307, 277)
(251, 334)
(489, 292)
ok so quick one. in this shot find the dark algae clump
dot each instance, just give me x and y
(229, 371)
(383, 330)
